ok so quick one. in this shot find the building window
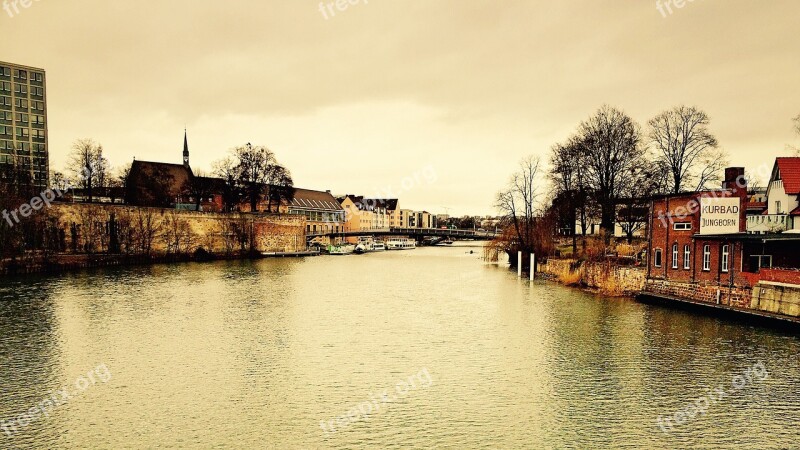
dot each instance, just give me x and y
(706, 258)
(778, 208)
(725, 257)
(675, 255)
(682, 226)
(21, 89)
(760, 262)
(687, 257)
(657, 257)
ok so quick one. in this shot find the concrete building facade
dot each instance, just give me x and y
(23, 121)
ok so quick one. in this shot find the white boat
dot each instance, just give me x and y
(401, 244)
(368, 244)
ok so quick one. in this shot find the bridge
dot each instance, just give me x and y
(419, 233)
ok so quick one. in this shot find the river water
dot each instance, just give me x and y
(423, 348)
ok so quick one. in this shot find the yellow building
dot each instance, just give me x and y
(363, 214)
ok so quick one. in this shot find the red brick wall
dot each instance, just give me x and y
(679, 209)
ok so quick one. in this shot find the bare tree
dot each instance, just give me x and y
(638, 185)
(797, 130)
(281, 187)
(198, 187)
(225, 169)
(252, 172)
(686, 149)
(519, 204)
(611, 142)
(571, 196)
(88, 165)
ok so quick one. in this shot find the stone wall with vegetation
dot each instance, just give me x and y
(607, 277)
(93, 228)
(112, 234)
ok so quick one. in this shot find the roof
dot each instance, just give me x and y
(789, 168)
(216, 185)
(757, 206)
(319, 200)
(180, 175)
(795, 212)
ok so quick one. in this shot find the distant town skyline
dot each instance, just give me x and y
(360, 99)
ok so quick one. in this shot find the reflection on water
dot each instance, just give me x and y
(257, 354)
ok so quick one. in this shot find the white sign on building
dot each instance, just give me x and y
(720, 215)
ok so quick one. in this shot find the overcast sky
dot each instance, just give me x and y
(362, 101)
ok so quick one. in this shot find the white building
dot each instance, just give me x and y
(782, 213)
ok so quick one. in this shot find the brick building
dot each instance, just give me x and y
(699, 248)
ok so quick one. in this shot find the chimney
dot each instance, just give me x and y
(735, 180)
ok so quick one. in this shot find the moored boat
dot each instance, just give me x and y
(401, 244)
(341, 249)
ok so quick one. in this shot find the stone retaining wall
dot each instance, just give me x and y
(608, 278)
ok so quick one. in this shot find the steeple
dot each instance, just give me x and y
(185, 150)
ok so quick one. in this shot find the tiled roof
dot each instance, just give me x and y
(176, 175)
(308, 199)
(795, 212)
(790, 174)
(757, 206)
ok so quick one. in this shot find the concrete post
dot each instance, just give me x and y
(533, 266)
(519, 264)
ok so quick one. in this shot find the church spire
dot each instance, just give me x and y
(185, 150)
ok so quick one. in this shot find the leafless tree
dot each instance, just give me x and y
(88, 165)
(519, 203)
(611, 142)
(797, 130)
(226, 170)
(571, 195)
(686, 149)
(198, 187)
(177, 234)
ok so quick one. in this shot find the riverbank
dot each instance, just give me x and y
(54, 264)
(74, 236)
(606, 278)
(766, 302)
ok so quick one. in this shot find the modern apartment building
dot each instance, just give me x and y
(23, 120)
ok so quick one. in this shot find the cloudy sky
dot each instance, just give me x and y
(381, 95)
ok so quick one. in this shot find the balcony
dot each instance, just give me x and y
(769, 223)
